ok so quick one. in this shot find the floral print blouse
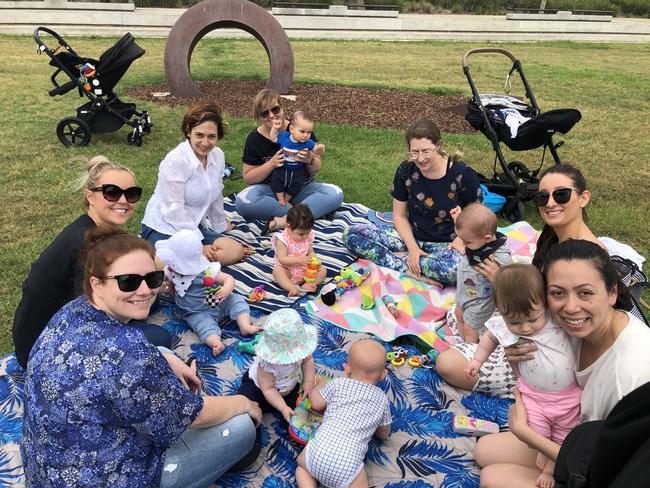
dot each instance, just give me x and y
(430, 201)
(102, 404)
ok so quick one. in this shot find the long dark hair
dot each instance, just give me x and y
(548, 238)
(581, 250)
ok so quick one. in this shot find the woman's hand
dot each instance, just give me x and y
(518, 418)
(277, 161)
(253, 410)
(186, 374)
(521, 351)
(488, 267)
(413, 261)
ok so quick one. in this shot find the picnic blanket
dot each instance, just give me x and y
(422, 308)
(421, 451)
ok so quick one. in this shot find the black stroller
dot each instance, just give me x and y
(96, 80)
(520, 126)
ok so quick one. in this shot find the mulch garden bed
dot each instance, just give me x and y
(361, 107)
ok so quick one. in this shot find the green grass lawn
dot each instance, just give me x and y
(606, 82)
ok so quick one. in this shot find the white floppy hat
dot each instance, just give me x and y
(183, 252)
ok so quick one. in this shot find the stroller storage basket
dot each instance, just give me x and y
(521, 126)
(96, 80)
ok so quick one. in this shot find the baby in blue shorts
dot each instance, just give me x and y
(203, 292)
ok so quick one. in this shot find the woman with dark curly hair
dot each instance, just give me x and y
(188, 193)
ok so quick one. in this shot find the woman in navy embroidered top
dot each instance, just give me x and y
(103, 408)
(425, 189)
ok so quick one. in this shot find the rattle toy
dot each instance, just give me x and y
(211, 287)
(473, 426)
(397, 357)
(304, 422)
(343, 282)
(391, 305)
(257, 294)
(248, 251)
(311, 270)
(424, 360)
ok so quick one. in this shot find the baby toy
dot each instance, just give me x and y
(424, 360)
(257, 294)
(311, 270)
(473, 426)
(391, 305)
(211, 287)
(304, 422)
(397, 357)
(346, 280)
(249, 346)
(248, 250)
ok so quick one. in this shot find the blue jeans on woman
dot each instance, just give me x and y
(154, 236)
(259, 201)
(202, 456)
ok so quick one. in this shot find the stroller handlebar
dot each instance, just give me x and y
(43, 47)
(494, 50)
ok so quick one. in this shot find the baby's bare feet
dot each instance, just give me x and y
(309, 286)
(545, 480)
(541, 461)
(249, 329)
(214, 341)
(282, 202)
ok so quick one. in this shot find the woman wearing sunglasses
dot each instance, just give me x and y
(188, 193)
(103, 408)
(561, 200)
(55, 278)
(262, 155)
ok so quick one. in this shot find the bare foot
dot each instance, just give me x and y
(214, 341)
(310, 287)
(295, 291)
(545, 480)
(282, 202)
(424, 279)
(249, 329)
(541, 461)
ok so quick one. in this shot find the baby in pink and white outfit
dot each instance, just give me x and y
(547, 382)
(294, 251)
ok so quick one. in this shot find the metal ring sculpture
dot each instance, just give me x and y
(209, 15)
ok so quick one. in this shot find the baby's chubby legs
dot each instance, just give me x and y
(207, 328)
(282, 276)
(238, 310)
(465, 331)
(303, 477)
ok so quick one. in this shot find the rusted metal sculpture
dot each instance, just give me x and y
(209, 15)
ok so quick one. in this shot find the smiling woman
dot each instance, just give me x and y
(188, 193)
(110, 196)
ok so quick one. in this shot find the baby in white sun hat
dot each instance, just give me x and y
(203, 292)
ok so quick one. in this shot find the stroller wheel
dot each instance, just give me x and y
(73, 132)
(134, 139)
(514, 210)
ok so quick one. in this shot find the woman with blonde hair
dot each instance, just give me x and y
(262, 155)
(55, 278)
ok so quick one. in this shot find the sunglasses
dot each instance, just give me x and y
(273, 110)
(131, 282)
(112, 193)
(561, 196)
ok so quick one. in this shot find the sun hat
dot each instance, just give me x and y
(286, 338)
(183, 252)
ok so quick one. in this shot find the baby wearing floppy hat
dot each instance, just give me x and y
(202, 291)
(283, 357)
(356, 410)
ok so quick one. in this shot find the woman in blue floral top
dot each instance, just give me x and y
(103, 407)
(425, 189)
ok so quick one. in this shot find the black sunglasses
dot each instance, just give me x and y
(561, 196)
(131, 282)
(113, 193)
(273, 110)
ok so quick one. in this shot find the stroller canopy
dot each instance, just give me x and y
(112, 64)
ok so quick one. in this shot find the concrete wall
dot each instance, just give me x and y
(107, 19)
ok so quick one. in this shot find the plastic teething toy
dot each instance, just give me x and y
(257, 294)
(249, 346)
(473, 426)
(391, 305)
(211, 287)
(311, 270)
(397, 357)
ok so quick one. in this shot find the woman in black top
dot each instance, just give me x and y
(262, 155)
(56, 277)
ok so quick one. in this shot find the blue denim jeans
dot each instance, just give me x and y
(259, 201)
(202, 456)
(154, 236)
